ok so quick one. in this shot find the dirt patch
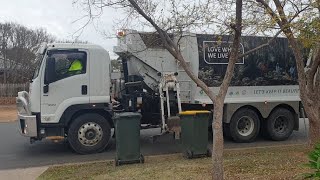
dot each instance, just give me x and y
(8, 113)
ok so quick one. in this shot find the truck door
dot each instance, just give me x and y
(65, 83)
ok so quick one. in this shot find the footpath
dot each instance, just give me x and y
(25, 174)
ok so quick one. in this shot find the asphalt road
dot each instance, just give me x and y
(17, 152)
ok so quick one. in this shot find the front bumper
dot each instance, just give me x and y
(28, 125)
(28, 122)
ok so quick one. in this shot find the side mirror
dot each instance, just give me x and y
(50, 74)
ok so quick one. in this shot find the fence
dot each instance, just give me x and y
(8, 92)
(11, 90)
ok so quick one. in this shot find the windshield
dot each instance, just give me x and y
(38, 62)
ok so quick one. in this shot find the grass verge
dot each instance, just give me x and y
(260, 163)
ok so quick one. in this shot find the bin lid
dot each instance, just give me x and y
(194, 112)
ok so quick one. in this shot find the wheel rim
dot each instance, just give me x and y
(280, 124)
(90, 134)
(245, 126)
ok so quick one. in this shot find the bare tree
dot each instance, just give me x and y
(5, 30)
(302, 32)
(18, 47)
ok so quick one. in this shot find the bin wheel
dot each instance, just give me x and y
(189, 154)
(116, 162)
(209, 153)
(141, 159)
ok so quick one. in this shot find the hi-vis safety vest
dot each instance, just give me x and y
(76, 66)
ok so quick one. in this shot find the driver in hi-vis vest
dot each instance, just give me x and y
(76, 67)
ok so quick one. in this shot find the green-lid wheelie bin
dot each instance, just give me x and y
(127, 129)
(194, 133)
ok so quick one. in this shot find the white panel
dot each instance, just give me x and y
(247, 94)
(99, 73)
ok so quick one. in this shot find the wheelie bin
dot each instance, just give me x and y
(127, 129)
(194, 133)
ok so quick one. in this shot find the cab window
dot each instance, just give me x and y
(68, 63)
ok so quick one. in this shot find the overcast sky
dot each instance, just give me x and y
(57, 17)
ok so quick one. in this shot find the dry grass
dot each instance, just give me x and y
(8, 113)
(262, 163)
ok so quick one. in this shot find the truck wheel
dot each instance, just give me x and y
(89, 133)
(141, 159)
(280, 124)
(189, 154)
(244, 125)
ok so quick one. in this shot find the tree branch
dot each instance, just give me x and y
(174, 51)
(261, 46)
(272, 39)
(234, 52)
(312, 75)
(270, 12)
(285, 26)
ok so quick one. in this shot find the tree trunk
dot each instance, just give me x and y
(217, 130)
(313, 112)
(217, 147)
(314, 131)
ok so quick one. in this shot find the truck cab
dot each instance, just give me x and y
(69, 97)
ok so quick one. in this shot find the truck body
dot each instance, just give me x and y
(263, 96)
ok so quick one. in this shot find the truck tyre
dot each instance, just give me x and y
(280, 124)
(89, 133)
(244, 125)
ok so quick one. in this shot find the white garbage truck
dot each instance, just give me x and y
(73, 97)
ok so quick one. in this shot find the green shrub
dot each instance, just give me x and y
(314, 163)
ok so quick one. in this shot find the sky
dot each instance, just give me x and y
(58, 18)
